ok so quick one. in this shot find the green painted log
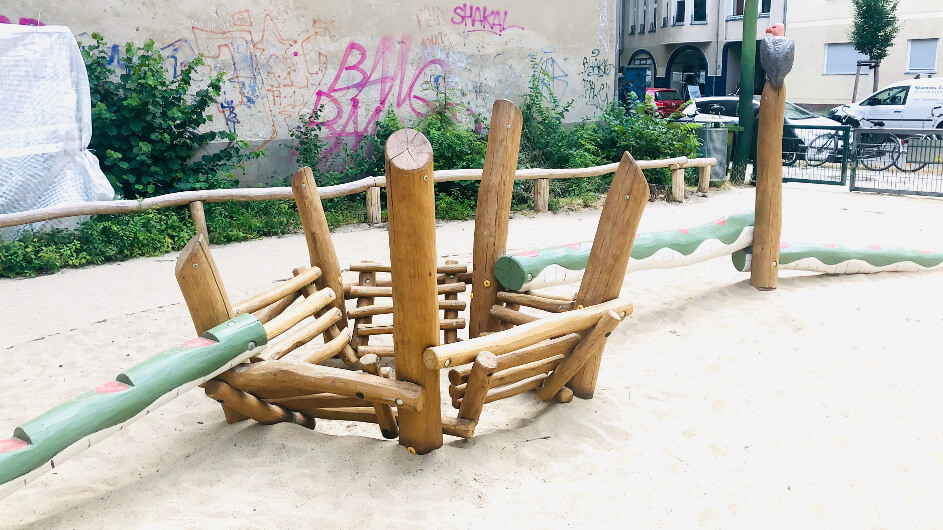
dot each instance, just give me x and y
(528, 270)
(843, 259)
(46, 441)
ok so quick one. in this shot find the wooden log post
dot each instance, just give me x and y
(704, 178)
(479, 381)
(385, 417)
(677, 183)
(493, 213)
(205, 295)
(374, 208)
(198, 216)
(366, 279)
(411, 213)
(764, 267)
(318, 237)
(609, 258)
(541, 195)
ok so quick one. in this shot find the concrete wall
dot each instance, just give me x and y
(814, 23)
(283, 58)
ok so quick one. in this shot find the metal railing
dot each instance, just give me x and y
(817, 154)
(900, 161)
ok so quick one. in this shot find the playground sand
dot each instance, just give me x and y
(815, 405)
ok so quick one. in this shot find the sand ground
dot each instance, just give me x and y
(718, 406)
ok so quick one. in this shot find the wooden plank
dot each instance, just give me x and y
(550, 348)
(521, 336)
(537, 302)
(458, 427)
(767, 231)
(493, 213)
(411, 213)
(591, 345)
(609, 258)
(478, 383)
(271, 296)
(386, 329)
(272, 379)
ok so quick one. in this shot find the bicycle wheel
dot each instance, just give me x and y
(878, 152)
(901, 161)
(820, 149)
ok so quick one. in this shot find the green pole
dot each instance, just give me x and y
(747, 75)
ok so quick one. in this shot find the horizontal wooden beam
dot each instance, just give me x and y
(296, 314)
(558, 346)
(359, 291)
(378, 350)
(271, 379)
(537, 302)
(379, 267)
(387, 309)
(385, 329)
(320, 401)
(271, 296)
(522, 336)
(513, 375)
(510, 316)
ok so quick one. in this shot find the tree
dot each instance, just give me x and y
(874, 29)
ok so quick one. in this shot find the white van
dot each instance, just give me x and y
(909, 104)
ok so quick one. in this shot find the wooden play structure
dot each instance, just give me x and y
(298, 353)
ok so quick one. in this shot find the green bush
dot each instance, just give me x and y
(147, 128)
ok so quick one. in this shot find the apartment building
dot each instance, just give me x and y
(687, 42)
(824, 73)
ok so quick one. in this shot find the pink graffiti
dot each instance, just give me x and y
(388, 72)
(23, 21)
(480, 18)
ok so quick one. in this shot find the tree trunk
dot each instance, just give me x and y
(876, 68)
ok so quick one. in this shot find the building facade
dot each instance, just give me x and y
(692, 42)
(824, 73)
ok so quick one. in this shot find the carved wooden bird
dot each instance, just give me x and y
(777, 54)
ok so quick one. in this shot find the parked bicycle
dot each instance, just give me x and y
(903, 161)
(875, 151)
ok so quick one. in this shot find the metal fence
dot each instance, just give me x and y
(817, 154)
(902, 161)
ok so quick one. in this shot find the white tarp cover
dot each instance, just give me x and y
(45, 125)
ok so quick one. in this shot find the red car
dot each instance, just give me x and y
(667, 100)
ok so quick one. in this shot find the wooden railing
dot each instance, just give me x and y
(370, 185)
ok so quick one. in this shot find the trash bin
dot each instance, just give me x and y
(715, 143)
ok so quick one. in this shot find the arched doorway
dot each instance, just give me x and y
(645, 59)
(687, 68)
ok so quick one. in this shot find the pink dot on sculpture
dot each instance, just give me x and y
(874, 247)
(528, 254)
(296, 54)
(111, 387)
(11, 444)
(829, 245)
(783, 245)
(683, 230)
(575, 246)
(198, 342)
(925, 252)
(722, 221)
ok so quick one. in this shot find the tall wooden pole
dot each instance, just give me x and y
(764, 269)
(494, 212)
(411, 212)
(609, 258)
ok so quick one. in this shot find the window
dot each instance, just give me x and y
(664, 19)
(699, 16)
(842, 59)
(642, 16)
(668, 95)
(896, 95)
(651, 26)
(922, 55)
(765, 6)
(679, 13)
(793, 112)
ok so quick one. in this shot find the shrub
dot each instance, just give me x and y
(147, 128)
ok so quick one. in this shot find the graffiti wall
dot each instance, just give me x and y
(354, 60)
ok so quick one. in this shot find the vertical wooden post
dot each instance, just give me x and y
(366, 279)
(199, 219)
(411, 213)
(541, 195)
(204, 293)
(764, 269)
(476, 390)
(318, 236)
(704, 178)
(494, 212)
(609, 258)
(451, 335)
(677, 183)
(374, 209)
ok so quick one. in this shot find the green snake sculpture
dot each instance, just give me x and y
(730, 235)
(62, 432)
